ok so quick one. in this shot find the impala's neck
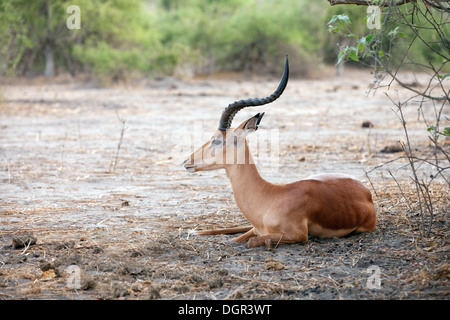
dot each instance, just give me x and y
(253, 194)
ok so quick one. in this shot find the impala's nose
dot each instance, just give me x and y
(188, 167)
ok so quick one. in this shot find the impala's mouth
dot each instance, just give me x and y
(189, 167)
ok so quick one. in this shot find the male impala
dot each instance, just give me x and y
(323, 205)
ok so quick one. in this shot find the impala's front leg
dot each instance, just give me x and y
(242, 238)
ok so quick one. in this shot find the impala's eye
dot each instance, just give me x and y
(216, 142)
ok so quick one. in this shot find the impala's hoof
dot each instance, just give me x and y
(270, 245)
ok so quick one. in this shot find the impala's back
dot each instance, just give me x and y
(335, 205)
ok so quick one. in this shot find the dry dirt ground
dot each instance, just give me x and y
(116, 222)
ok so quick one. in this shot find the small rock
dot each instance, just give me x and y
(136, 287)
(87, 283)
(222, 272)
(45, 266)
(391, 149)
(273, 264)
(48, 275)
(23, 240)
(120, 292)
(367, 124)
(153, 293)
(215, 283)
(15, 258)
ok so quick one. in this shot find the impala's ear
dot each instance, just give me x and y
(253, 122)
(249, 126)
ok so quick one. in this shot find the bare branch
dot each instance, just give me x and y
(445, 97)
(401, 191)
(368, 3)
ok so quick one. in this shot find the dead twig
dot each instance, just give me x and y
(27, 246)
(401, 191)
(114, 163)
(370, 181)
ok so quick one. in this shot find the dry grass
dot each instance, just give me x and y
(130, 231)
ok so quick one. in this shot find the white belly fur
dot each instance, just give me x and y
(318, 231)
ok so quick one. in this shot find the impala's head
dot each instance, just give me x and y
(228, 146)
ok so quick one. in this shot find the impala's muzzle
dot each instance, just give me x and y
(189, 167)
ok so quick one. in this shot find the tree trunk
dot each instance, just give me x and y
(49, 49)
(49, 53)
(340, 68)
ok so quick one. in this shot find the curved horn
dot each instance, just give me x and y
(230, 111)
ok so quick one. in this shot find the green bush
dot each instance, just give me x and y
(161, 37)
(239, 35)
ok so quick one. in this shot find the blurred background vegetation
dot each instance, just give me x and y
(125, 38)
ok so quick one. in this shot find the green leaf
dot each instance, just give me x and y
(369, 38)
(396, 33)
(344, 18)
(446, 131)
(353, 54)
(362, 41)
(381, 53)
(333, 29)
(348, 53)
(340, 18)
(360, 47)
(340, 56)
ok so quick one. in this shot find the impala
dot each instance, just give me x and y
(324, 205)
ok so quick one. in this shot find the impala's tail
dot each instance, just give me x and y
(224, 231)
